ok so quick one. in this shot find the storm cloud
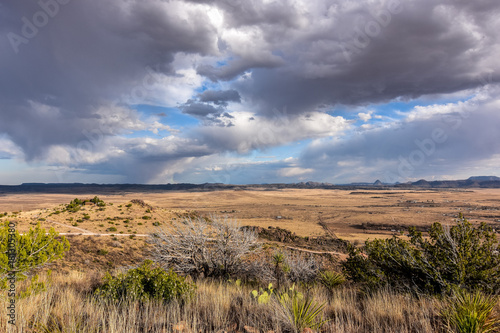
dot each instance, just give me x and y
(249, 76)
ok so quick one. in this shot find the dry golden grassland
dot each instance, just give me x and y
(66, 306)
(113, 237)
(356, 214)
(351, 215)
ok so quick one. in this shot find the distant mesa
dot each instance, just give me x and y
(484, 178)
(422, 183)
(101, 189)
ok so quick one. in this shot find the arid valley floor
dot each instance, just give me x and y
(116, 235)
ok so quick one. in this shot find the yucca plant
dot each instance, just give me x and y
(303, 312)
(330, 280)
(471, 313)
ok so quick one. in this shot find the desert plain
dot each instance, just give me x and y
(117, 233)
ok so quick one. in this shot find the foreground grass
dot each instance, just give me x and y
(65, 306)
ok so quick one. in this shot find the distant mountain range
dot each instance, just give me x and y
(78, 188)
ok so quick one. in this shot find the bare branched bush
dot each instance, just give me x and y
(302, 268)
(213, 249)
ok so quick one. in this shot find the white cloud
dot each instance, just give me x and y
(249, 131)
(9, 149)
(365, 116)
(294, 171)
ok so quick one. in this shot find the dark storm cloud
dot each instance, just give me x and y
(200, 109)
(82, 59)
(210, 106)
(237, 67)
(65, 64)
(220, 97)
(356, 53)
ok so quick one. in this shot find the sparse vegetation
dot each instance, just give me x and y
(102, 252)
(76, 204)
(279, 287)
(65, 306)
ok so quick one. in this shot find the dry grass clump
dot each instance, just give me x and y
(67, 306)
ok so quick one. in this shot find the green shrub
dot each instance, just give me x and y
(471, 313)
(86, 217)
(74, 205)
(111, 229)
(102, 252)
(145, 217)
(145, 282)
(461, 256)
(34, 249)
(97, 201)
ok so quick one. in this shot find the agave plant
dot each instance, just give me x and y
(471, 313)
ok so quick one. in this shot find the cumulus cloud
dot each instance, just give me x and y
(8, 149)
(433, 141)
(74, 74)
(365, 116)
(249, 132)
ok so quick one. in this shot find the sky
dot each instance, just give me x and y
(248, 91)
